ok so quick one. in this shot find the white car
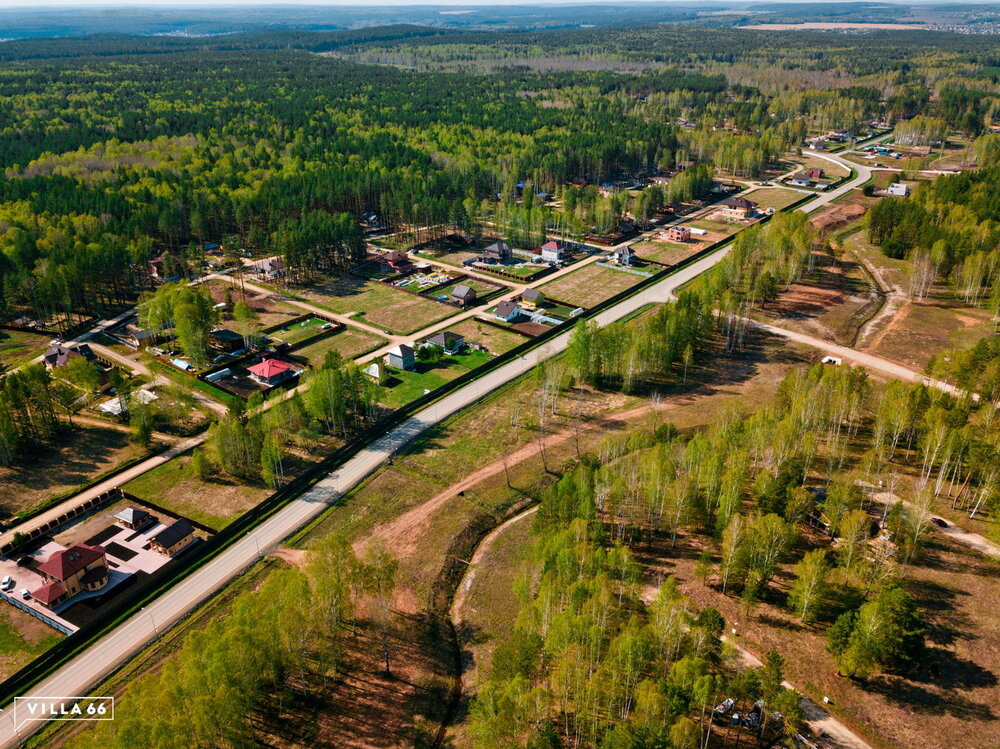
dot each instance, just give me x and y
(7, 583)
(25, 594)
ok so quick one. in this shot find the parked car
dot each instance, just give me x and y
(724, 707)
(7, 583)
(25, 594)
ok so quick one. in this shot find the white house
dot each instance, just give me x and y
(899, 189)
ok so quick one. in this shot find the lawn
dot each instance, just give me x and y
(664, 252)
(216, 502)
(428, 377)
(483, 289)
(449, 258)
(774, 197)
(301, 330)
(270, 311)
(589, 285)
(76, 458)
(495, 339)
(18, 347)
(377, 304)
(717, 227)
(22, 638)
(830, 168)
(349, 343)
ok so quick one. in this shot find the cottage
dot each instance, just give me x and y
(401, 357)
(451, 342)
(507, 312)
(801, 179)
(678, 234)
(533, 298)
(463, 295)
(269, 269)
(395, 262)
(623, 255)
(271, 372)
(70, 571)
(139, 337)
(815, 172)
(59, 355)
(225, 340)
(737, 207)
(898, 189)
(134, 518)
(552, 251)
(498, 252)
(173, 538)
(377, 372)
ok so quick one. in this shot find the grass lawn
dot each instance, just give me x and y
(77, 457)
(923, 330)
(377, 304)
(427, 377)
(269, 310)
(664, 252)
(188, 382)
(496, 340)
(300, 330)
(349, 343)
(22, 638)
(830, 168)
(18, 347)
(449, 258)
(774, 197)
(216, 502)
(718, 227)
(589, 285)
(483, 289)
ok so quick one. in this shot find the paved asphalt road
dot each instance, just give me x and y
(112, 650)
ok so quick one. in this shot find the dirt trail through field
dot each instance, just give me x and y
(891, 314)
(402, 534)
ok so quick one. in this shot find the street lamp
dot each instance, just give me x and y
(152, 620)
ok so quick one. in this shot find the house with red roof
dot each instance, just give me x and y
(271, 372)
(71, 571)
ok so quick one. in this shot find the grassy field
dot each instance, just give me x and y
(664, 252)
(589, 285)
(377, 304)
(427, 377)
(301, 330)
(717, 227)
(18, 347)
(349, 343)
(496, 340)
(774, 197)
(483, 289)
(270, 311)
(22, 638)
(808, 161)
(216, 502)
(78, 457)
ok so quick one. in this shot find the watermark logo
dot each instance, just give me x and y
(27, 709)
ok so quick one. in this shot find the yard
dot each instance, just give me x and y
(716, 229)
(830, 168)
(589, 285)
(666, 253)
(18, 347)
(429, 376)
(484, 290)
(349, 343)
(22, 638)
(377, 304)
(270, 311)
(496, 340)
(78, 457)
(774, 197)
(300, 331)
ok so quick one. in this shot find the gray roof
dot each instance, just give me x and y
(174, 532)
(464, 291)
(505, 308)
(533, 295)
(445, 338)
(402, 351)
(132, 515)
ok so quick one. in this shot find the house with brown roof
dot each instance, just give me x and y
(498, 252)
(70, 571)
(269, 268)
(59, 355)
(737, 207)
(532, 298)
(395, 262)
(173, 538)
(552, 251)
(507, 312)
(463, 295)
(451, 342)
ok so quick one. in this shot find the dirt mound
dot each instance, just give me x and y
(837, 215)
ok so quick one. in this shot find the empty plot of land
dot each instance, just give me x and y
(922, 330)
(590, 285)
(378, 304)
(496, 340)
(667, 253)
(348, 343)
(77, 457)
(299, 331)
(830, 168)
(270, 311)
(18, 347)
(774, 197)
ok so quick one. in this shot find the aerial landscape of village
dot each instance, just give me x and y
(548, 375)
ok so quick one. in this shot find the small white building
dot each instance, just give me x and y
(898, 189)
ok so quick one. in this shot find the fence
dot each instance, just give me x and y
(17, 603)
(142, 593)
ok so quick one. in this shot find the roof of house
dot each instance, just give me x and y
(49, 593)
(67, 562)
(499, 247)
(269, 368)
(505, 309)
(464, 291)
(132, 515)
(395, 257)
(445, 338)
(802, 176)
(552, 245)
(94, 575)
(402, 351)
(225, 334)
(138, 333)
(59, 355)
(270, 264)
(737, 202)
(533, 294)
(176, 531)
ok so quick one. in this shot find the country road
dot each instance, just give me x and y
(115, 648)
